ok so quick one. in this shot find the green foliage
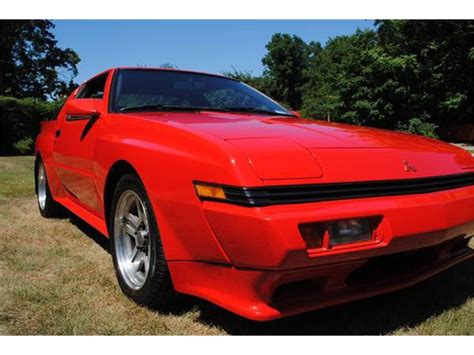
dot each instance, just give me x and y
(355, 81)
(400, 70)
(31, 63)
(285, 67)
(25, 146)
(409, 75)
(442, 89)
(419, 126)
(414, 76)
(336, 79)
(19, 122)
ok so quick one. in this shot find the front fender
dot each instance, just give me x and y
(168, 160)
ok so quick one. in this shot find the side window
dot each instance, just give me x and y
(94, 88)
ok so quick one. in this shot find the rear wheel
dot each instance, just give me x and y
(137, 251)
(47, 206)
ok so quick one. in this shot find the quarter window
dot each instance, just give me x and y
(94, 88)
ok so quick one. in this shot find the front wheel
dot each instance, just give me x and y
(136, 247)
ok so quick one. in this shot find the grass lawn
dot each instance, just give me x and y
(56, 277)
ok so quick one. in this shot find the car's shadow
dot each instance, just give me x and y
(378, 315)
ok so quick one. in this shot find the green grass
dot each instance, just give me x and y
(16, 176)
(56, 277)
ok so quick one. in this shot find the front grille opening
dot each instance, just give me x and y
(299, 290)
(384, 268)
(274, 195)
(377, 269)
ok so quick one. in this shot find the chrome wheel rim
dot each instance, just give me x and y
(41, 187)
(131, 238)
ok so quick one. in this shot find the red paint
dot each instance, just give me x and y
(238, 256)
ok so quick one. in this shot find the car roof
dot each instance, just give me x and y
(155, 68)
(172, 69)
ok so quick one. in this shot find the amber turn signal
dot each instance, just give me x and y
(209, 191)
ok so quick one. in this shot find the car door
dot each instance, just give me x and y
(75, 141)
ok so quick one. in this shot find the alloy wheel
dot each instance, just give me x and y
(41, 186)
(132, 239)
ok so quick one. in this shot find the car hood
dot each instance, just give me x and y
(280, 148)
(307, 133)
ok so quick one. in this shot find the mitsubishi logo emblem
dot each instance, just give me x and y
(409, 167)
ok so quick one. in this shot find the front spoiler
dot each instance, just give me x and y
(252, 293)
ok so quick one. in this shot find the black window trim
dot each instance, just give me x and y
(80, 91)
(112, 91)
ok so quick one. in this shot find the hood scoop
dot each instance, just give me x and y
(278, 158)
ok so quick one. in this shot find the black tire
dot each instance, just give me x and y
(157, 291)
(46, 204)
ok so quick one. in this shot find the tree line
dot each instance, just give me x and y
(408, 75)
(411, 75)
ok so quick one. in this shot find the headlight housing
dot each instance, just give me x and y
(325, 235)
(350, 230)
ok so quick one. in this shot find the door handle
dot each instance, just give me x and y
(57, 133)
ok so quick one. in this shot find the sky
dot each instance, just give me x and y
(212, 46)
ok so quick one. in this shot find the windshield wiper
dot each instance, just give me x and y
(258, 110)
(145, 108)
(169, 108)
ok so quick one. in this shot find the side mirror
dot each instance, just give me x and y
(82, 109)
(297, 113)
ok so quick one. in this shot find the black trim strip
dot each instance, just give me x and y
(291, 194)
(81, 117)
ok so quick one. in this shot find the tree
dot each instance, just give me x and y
(31, 63)
(346, 81)
(415, 76)
(443, 88)
(285, 67)
(322, 96)
(409, 75)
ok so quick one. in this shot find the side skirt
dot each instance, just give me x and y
(85, 215)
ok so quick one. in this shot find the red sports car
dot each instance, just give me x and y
(207, 187)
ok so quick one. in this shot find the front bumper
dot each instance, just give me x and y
(274, 274)
(267, 295)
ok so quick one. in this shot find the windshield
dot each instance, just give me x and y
(156, 90)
